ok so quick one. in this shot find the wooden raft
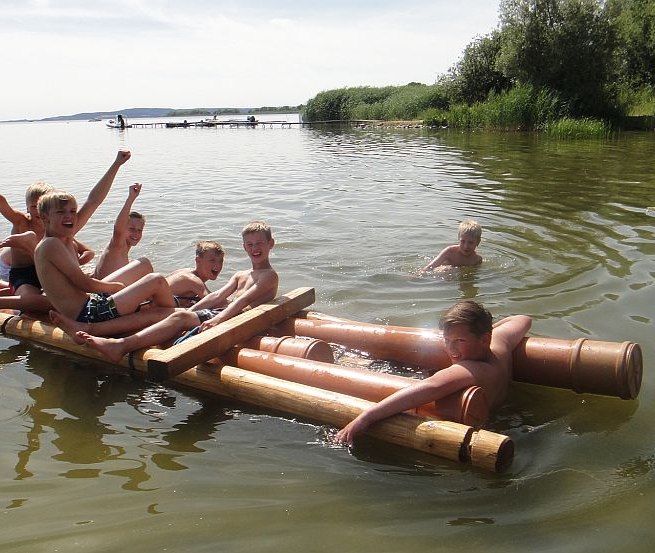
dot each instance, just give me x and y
(188, 366)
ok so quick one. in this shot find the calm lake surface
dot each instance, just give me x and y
(95, 459)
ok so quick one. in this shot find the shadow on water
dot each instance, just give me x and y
(69, 407)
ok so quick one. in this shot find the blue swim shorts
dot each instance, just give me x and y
(98, 308)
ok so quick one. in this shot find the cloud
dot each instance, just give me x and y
(71, 56)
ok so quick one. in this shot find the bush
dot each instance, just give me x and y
(586, 127)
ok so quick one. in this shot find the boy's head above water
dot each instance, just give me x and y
(472, 314)
(470, 229)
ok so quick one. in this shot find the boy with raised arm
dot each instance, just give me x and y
(463, 253)
(481, 355)
(74, 293)
(127, 233)
(250, 288)
(23, 276)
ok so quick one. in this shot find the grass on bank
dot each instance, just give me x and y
(522, 108)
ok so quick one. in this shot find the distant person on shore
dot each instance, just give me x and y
(127, 233)
(250, 288)
(463, 253)
(23, 275)
(481, 355)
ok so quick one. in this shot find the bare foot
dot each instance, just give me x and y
(112, 348)
(68, 325)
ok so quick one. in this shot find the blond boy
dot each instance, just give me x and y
(463, 253)
(250, 288)
(481, 355)
(127, 233)
(23, 275)
(74, 293)
(189, 285)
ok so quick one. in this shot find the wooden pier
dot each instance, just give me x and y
(210, 123)
(243, 123)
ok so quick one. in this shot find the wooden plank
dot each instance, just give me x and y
(214, 341)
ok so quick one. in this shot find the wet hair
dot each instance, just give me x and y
(469, 313)
(36, 190)
(137, 215)
(205, 246)
(54, 199)
(258, 226)
(470, 228)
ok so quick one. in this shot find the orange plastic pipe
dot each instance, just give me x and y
(468, 406)
(585, 366)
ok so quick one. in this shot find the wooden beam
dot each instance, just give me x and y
(164, 364)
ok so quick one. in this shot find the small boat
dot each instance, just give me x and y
(278, 356)
(119, 123)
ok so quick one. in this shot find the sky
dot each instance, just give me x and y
(62, 57)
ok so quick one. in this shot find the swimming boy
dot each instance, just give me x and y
(68, 288)
(250, 288)
(23, 276)
(188, 285)
(128, 231)
(481, 355)
(463, 253)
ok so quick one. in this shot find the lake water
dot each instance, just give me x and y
(95, 459)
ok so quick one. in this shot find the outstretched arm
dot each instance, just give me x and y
(123, 217)
(441, 259)
(264, 289)
(12, 215)
(100, 190)
(439, 385)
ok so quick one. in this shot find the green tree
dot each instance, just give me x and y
(564, 45)
(635, 23)
(476, 74)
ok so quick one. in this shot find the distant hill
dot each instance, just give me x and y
(133, 113)
(129, 112)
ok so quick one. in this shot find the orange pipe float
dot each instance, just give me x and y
(584, 366)
(468, 406)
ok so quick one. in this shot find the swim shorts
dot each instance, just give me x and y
(203, 315)
(98, 308)
(24, 275)
(206, 314)
(186, 301)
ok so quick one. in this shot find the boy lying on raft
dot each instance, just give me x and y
(481, 355)
(250, 288)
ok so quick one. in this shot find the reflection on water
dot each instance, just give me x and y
(100, 457)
